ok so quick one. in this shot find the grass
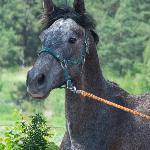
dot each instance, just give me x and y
(137, 83)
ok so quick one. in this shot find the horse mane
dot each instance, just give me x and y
(85, 20)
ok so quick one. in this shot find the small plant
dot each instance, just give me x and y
(33, 135)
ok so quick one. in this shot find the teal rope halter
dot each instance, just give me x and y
(65, 63)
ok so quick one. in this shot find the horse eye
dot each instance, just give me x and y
(72, 40)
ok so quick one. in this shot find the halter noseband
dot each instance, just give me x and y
(65, 63)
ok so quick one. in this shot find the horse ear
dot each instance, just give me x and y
(79, 6)
(48, 6)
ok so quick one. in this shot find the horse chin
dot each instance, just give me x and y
(44, 95)
(40, 97)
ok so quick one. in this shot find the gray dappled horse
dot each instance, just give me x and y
(69, 54)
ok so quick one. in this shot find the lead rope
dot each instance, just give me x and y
(99, 99)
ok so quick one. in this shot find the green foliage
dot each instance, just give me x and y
(32, 135)
(135, 81)
(9, 54)
(36, 135)
(147, 53)
(20, 26)
(124, 30)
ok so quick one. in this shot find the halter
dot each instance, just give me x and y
(66, 63)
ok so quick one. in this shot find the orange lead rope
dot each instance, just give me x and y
(89, 95)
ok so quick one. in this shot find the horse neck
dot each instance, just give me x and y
(86, 119)
(91, 80)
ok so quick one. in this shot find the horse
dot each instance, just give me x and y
(69, 57)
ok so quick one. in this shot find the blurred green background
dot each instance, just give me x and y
(124, 52)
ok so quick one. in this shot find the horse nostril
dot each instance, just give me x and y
(41, 79)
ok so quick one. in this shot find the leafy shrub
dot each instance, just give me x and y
(32, 135)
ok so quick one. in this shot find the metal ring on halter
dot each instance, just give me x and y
(71, 87)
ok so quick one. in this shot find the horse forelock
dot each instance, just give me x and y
(85, 20)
